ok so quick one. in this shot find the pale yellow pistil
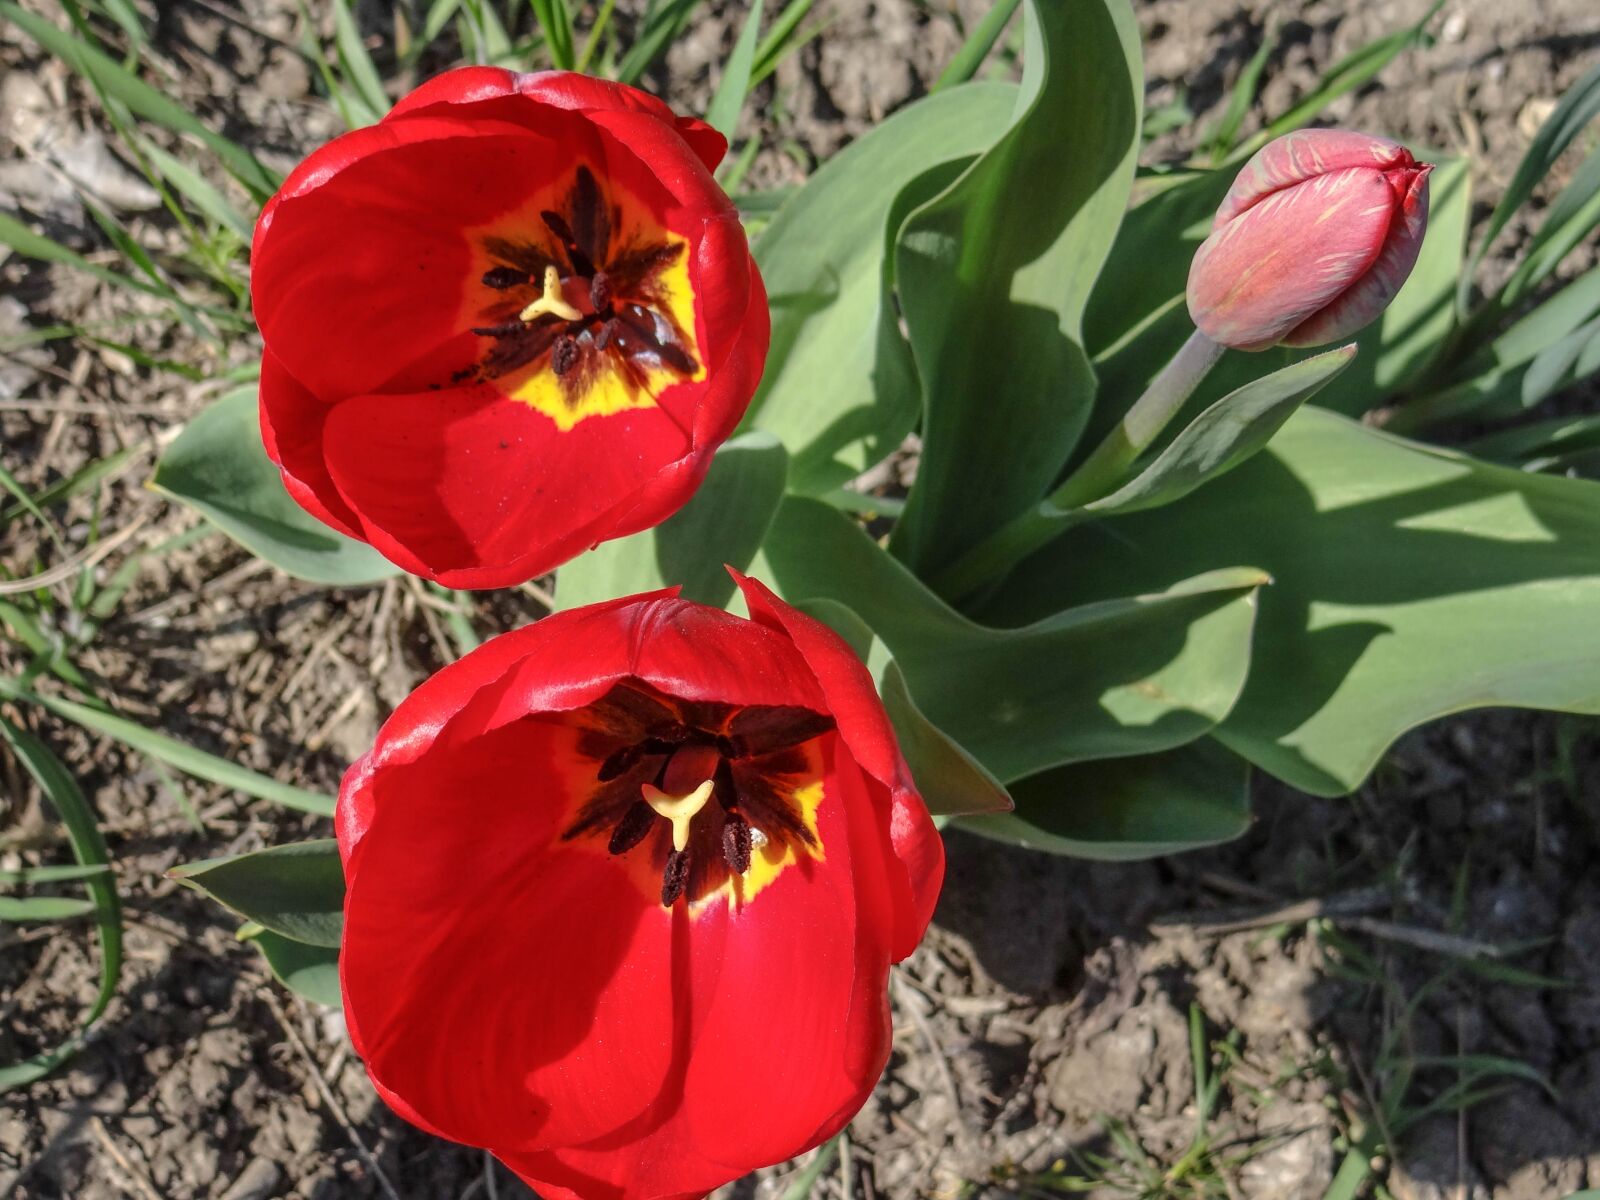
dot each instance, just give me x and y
(680, 810)
(552, 302)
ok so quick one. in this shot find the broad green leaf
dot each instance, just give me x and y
(177, 754)
(1224, 435)
(296, 890)
(994, 275)
(89, 848)
(1571, 115)
(1543, 439)
(722, 114)
(839, 389)
(1408, 583)
(1129, 808)
(141, 98)
(307, 970)
(219, 467)
(1128, 675)
(950, 781)
(721, 526)
(43, 908)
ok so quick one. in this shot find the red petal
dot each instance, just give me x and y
(359, 263)
(472, 993)
(1284, 259)
(853, 700)
(292, 421)
(478, 490)
(787, 1003)
(1304, 155)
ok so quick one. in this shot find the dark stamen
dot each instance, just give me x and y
(634, 827)
(736, 843)
(610, 333)
(600, 291)
(675, 878)
(501, 278)
(499, 331)
(591, 223)
(565, 355)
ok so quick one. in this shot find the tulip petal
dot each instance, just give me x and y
(853, 700)
(1287, 256)
(474, 489)
(1371, 294)
(292, 421)
(812, 1053)
(1301, 156)
(346, 313)
(471, 989)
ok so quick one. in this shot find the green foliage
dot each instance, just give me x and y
(722, 526)
(295, 890)
(89, 851)
(218, 467)
(1011, 248)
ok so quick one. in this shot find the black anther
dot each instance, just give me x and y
(675, 878)
(634, 827)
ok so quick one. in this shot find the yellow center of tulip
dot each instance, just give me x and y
(583, 303)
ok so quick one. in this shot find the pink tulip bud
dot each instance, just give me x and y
(1313, 240)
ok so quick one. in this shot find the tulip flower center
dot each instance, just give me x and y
(707, 798)
(585, 306)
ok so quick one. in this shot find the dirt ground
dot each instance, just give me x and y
(1416, 966)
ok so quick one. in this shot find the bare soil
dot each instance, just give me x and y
(1350, 963)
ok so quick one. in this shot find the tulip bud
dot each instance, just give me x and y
(1312, 241)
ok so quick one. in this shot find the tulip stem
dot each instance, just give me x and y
(1097, 476)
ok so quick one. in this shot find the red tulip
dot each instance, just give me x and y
(623, 890)
(1313, 240)
(513, 319)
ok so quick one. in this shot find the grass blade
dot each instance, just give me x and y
(1343, 77)
(1577, 108)
(723, 112)
(782, 39)
(32, 875)
(89, 848)
(964, 64)
(17, 909)
(141, 98)
(207, 200)
(556, 23)
(356, 61)
(602, 22)
(186, 758)
(663, 22)
(1242, 97)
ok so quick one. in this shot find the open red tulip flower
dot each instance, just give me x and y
(513, 319)
(623, 890)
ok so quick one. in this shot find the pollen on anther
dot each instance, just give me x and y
(675, 878)
(737, 843)
(564, 356)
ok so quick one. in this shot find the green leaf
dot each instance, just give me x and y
(72, 874)
(89, 848)
(307, 970)
(723, 112)
(1408, 583)
(1129, 675)
(1129, 808)
(964, 64)
(1572, 217)
(355, 60)
(822, 258)
(721, 526)
(950, 781)
(24, 241)
(141, 98)
(663, 21)
(1224, 435)
(177, 754)
(1576, 109)
(219, 467)
(1241, 98)
(43, 908)
(296, 890)
(994, 275)
(555, 22)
